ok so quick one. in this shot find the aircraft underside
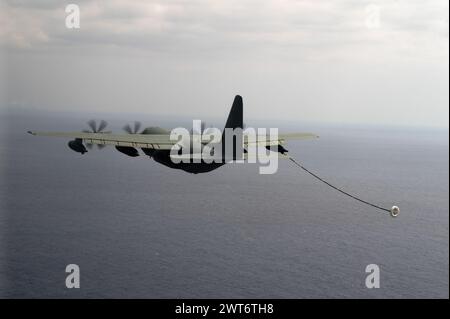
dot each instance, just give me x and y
(163, 157)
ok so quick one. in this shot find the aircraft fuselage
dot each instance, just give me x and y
(163, 157)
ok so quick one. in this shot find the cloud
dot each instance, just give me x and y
(224, 24)
(318, 60)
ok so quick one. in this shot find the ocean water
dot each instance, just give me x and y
(141, 230)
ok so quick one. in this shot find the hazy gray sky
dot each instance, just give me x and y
(333, 61)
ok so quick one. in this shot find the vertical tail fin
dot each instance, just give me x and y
(234, 121)
(235, 118)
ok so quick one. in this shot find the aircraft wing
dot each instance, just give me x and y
(162, 141)
(151, 141)
(267, 140)
(297, 136)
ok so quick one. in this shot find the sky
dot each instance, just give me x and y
(355, 61)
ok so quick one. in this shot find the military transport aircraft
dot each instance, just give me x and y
(156, 143)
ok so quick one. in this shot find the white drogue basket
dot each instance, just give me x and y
(395, 211)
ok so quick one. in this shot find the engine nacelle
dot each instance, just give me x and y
(127, 150)
(77, 146)
(149, 151)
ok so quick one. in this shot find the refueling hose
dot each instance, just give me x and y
(394, 211)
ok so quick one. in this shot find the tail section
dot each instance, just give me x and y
(232, 141)
(235, 118)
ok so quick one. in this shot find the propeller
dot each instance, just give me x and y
(96, 128)
(132, 129)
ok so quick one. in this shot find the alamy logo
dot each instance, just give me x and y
(73, 279)
(373, 279)
(233, 145)
(373, 14)
(73, 16)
